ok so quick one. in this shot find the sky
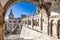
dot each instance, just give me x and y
(21, 8)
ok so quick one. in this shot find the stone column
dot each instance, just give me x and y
(58, 29)
(1, 23)
(39, 23)
(1, 32)
(27, 21)
(51, 27)
(24, 22)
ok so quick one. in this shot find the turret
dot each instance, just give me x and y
(11, 16)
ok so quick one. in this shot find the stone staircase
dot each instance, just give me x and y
(17, 30)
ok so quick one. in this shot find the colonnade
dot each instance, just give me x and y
(54, 27)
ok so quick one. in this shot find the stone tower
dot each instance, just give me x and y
(11, 16)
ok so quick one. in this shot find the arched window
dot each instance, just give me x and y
(51, 24)
(29, 22)
(58, 29)
(50, 28)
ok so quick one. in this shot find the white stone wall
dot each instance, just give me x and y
(54, 29)
(45, 20)
(27, 33)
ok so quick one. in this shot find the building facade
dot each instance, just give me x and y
(52, 30)
(12, 22)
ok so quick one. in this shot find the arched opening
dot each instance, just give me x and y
(10, 3)
(12, 10)
(58, 29)
(51, 27)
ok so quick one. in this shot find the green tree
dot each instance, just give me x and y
(5, 29)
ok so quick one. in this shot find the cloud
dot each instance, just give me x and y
(6, 18)
(54, 13)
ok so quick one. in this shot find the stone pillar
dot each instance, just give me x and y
(1, 23)
(35, 22)
(58, 29)
(24, 21)
(1, 32)
(32, 22)
(27, 22)
(51, 27)
(39, 23)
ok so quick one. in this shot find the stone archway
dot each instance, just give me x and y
(51, 27)
(1, 23)
(11, 2)
(5, 8)
(58, 29)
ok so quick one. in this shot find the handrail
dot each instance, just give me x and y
(14, 28)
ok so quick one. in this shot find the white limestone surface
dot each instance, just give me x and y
(27, 33)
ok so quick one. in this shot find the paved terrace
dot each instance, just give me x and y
(28, 33)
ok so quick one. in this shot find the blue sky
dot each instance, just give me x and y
(21, 8)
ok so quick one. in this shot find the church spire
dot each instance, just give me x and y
(11, 13)
(11, 16)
